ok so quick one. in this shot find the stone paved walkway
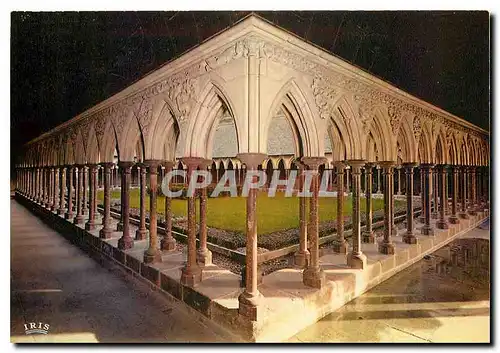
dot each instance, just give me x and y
(54, 282)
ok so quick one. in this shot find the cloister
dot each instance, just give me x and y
(249, 74)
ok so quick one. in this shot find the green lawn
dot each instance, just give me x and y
(273, 214)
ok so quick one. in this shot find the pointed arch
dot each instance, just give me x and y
(381, 131)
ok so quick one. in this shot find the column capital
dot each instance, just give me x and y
(339, 165)
(205, 163)
(300, 165)
(369, 165)
(426, 166)
(151, 164)
(168, 164)
(192, 163)
(107, 164)
(356, 164)
(387, 164)
(92, 165)
(314, 162)
(125, 164)
(410, 165)
(251, 160)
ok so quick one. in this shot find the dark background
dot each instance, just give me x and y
(63, 63)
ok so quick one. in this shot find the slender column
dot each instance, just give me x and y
(69, 212)
(422, 196)
(250, 297)
(394, 230)
(435, 193)
(454, 185)
(313, 275)
(472, 188)
(141, 232)
(203, 255)
(79, 182)
(341, 246)
(50, 189)
(427, 229)
(463, 214)
(126, 241)
(386, 246)
(55, 198)
(356, 258)
(398, 170)
(409, 236)
(46, 187)
(152, 253)
(84, 190)
(479, 188)
(106, 230)
(92, 173)
(191, 272)
(442, 222)
(119, 225)
(302, 256)
(347, 181)
(379, 181)
(168, 242)
(37, 185)
(368, 234)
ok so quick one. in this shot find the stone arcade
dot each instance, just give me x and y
(249, 74)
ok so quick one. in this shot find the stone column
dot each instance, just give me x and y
(152, 253)
(168, 242)
(368, 234)
(453, 219)
(409, 236)
(347, 181)
(394, 230)
(38, 183)
(55, 204)
(379, 182)
(302, 256)
(191, 272)
(141, 232)
(427, 229)
(398, 171)
(106, 230)
(126, 241)
(84, 191)
(313, 275)
(422, 196)
(250, 297)
(356, 258)
(47, 187)
(472, 188)
(386, 246)
(69, 213)
(463, 214)
(79, 182)
(435, 193)
(341, 246)
(92, 168)
(442, 222)
(203, 255)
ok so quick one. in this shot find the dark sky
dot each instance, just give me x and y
(64, 63)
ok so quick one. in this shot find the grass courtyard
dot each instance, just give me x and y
(273, 213)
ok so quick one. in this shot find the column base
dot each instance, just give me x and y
(248, 303)
(53, 208)
(410, 238)
(119, 226)
(442, 224)
(435, 215)
(191, 276)
(341, 247)
(141, 234)
(302, 258)
(68, 216)
(90, 225)
(463, 215)
(472, 212)
(168, 243)
(453, 219)
(152, 256)
(125, 243)
(204, 257)
(78, 219)
(427, 230)
(386, 248)
(357, 261)
(105, 233)
(368, 237)
(60, 211)
(313, 277)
